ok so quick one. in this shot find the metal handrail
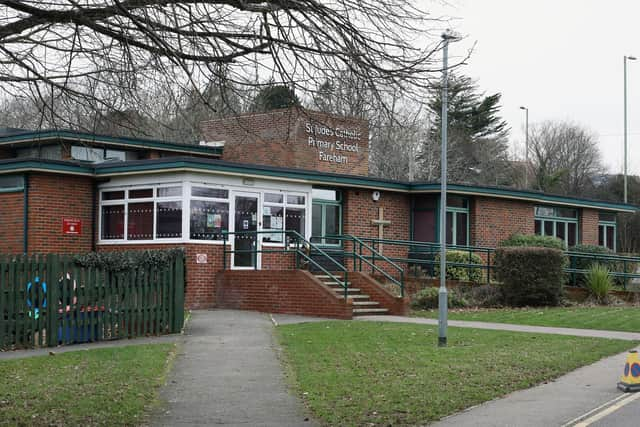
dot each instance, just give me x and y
(299, 251)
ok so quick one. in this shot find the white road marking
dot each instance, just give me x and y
(608, 411)
(585, 415)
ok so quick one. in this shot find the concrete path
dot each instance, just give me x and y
(630, 336)
(227, 373)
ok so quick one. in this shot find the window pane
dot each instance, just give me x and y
(566, 213)
(112, 195)
(560, 232)
(544, 211)
(325, 194)
(214, 193)
(141, 194)
(112, 222)
(461, 229)
(449, 227)
(11, 181)
(607, 216)
(611, 237)
(601, 235)
(548, 228)
(140, 221)
(170, 192)
(572, 234)
(116, 154)
(272, 219)
(87, 154)
(273, 198)
(295, 220)
(295, 200)
(538, 227)
(316, 223)
(169, 217)
(456, 202)
(208, 219)
(332, 223)
(425, 202)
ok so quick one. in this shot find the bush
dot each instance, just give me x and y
(485, 296)
(530, 276)
(599, 282)
(464, 274)
(586, 263)
(427, 299)
(533, 240)
(127, 260)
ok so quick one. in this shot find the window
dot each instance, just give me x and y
(99, 154)
(11, 183)
(282, 213)
(135, 214)
(326, 216)
(457, 221)
(209, 213)
(558, 222)
(607, 230)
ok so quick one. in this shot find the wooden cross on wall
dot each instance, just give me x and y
(381, 223)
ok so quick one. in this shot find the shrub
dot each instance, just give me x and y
(533, 240)
(530, 276)
(126, 260)
(586, 263)
(427, 299)
(598, 281)
(465, 274)
(485, 296)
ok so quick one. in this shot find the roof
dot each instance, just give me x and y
(220, 167)
(15, 137)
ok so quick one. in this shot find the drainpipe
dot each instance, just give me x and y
(25, 219)
(94, 200)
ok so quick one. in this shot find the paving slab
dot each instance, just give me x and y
(227, 373)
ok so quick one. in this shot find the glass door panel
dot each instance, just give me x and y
(245, 241)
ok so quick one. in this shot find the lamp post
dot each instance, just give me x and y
(526, 146)
(630, 58)
(442, 292)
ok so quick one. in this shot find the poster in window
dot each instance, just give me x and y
(276, 222)
(266, 210)
(210, 220)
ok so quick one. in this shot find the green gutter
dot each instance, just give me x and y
(46, 166)
(109, 140)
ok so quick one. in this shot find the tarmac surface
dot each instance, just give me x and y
(227, 372)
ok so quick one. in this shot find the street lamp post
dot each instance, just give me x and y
(630, 58)
(526, 147)
(442, 292)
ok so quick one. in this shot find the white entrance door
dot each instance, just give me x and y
(245, 241)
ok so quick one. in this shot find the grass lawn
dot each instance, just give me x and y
(110, 386)
(366, 373)
(625, 319)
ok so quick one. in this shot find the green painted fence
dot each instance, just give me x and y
(50, 300)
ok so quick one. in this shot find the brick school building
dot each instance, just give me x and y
(275, 211)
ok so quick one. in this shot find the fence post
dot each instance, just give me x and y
(53, 264)
(178, 289)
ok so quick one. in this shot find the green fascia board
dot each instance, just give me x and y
(254, 171)
(108, 140)
(46, 166)
(532, 196)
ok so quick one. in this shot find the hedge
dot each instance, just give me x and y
(464, 274)
(530, 276)
(586, 263)
(533, 240)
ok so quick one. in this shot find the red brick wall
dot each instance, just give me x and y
(53, 197)
(11, 222)
(589, 219)
(282, 138)
(493, 220)
(272, 291)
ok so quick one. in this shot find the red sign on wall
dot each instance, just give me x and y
(71, 226)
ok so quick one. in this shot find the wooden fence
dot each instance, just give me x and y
(50, 300)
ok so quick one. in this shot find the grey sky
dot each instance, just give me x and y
(561, 59)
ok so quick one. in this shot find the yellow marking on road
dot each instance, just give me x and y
(610, 410)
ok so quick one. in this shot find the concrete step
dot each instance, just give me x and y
(366, 303)
(335, 284)
(365, 311)
(359, 296)
(349, 290)
(324, 276)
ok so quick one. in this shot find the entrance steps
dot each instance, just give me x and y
(362, 303)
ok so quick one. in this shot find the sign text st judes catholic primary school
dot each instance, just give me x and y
(336, 142)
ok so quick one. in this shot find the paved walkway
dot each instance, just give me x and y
(631, 336)
(227, 373)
